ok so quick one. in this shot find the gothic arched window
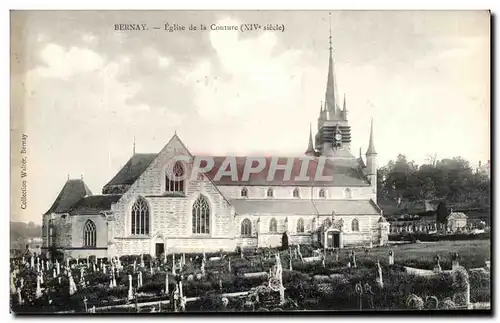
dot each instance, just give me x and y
(322, 193)
(244, 192)
(89, 234)
(355, 225)
(300, 226)
(201, 216)
(296, 193)
(348, 193)
(246, 228)
(273, 226)
(176, 183)
(140, 217)
(270, 192)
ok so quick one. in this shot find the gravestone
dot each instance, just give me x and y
(454, 261)
(437, 267)
(391, 257)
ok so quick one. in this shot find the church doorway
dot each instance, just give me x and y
(159, 249)
(333, 240)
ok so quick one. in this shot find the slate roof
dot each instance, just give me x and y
(303, 207)
(94, 204)
(72, 192)
(344, 171)
(135, 166)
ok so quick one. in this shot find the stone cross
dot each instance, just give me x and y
(139, 279)
(359, 291)
(114, 279)
(38, 292)
(72, 285)
(391, 257)
(130, 292)
(353, 257)
(379, 280)
(19, 296)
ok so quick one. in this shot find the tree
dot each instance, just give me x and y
(284, 241)
(442, 213)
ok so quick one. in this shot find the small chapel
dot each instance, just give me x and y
(142, 210)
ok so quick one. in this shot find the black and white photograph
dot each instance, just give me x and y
(195, 161)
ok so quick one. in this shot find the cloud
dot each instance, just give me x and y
(61, 63)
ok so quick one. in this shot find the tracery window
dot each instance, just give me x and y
(273, 226)
(140, 217)
(355, 225)
(244, 192)
(246, 228)
(89, 234)
(300, 226)
(176, 183)
(201, 216)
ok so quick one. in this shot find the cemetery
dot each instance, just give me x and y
(427, 276)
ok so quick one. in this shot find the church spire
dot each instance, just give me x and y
(133, 147)
(371, 146)
(310, 147)
(331, 84)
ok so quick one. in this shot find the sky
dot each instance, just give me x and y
(82, 91)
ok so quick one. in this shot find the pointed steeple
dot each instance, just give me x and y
(371, 146)
(133, 147)
(331, 95)
(344, 109)
(360, 159)
(310, 148)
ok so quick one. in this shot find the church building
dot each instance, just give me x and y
(143, 209)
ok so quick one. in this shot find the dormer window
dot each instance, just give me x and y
(176, 183)
(296, 193)
(244, 192)
(270, 193)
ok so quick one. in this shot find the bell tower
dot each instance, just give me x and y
(334, 132)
